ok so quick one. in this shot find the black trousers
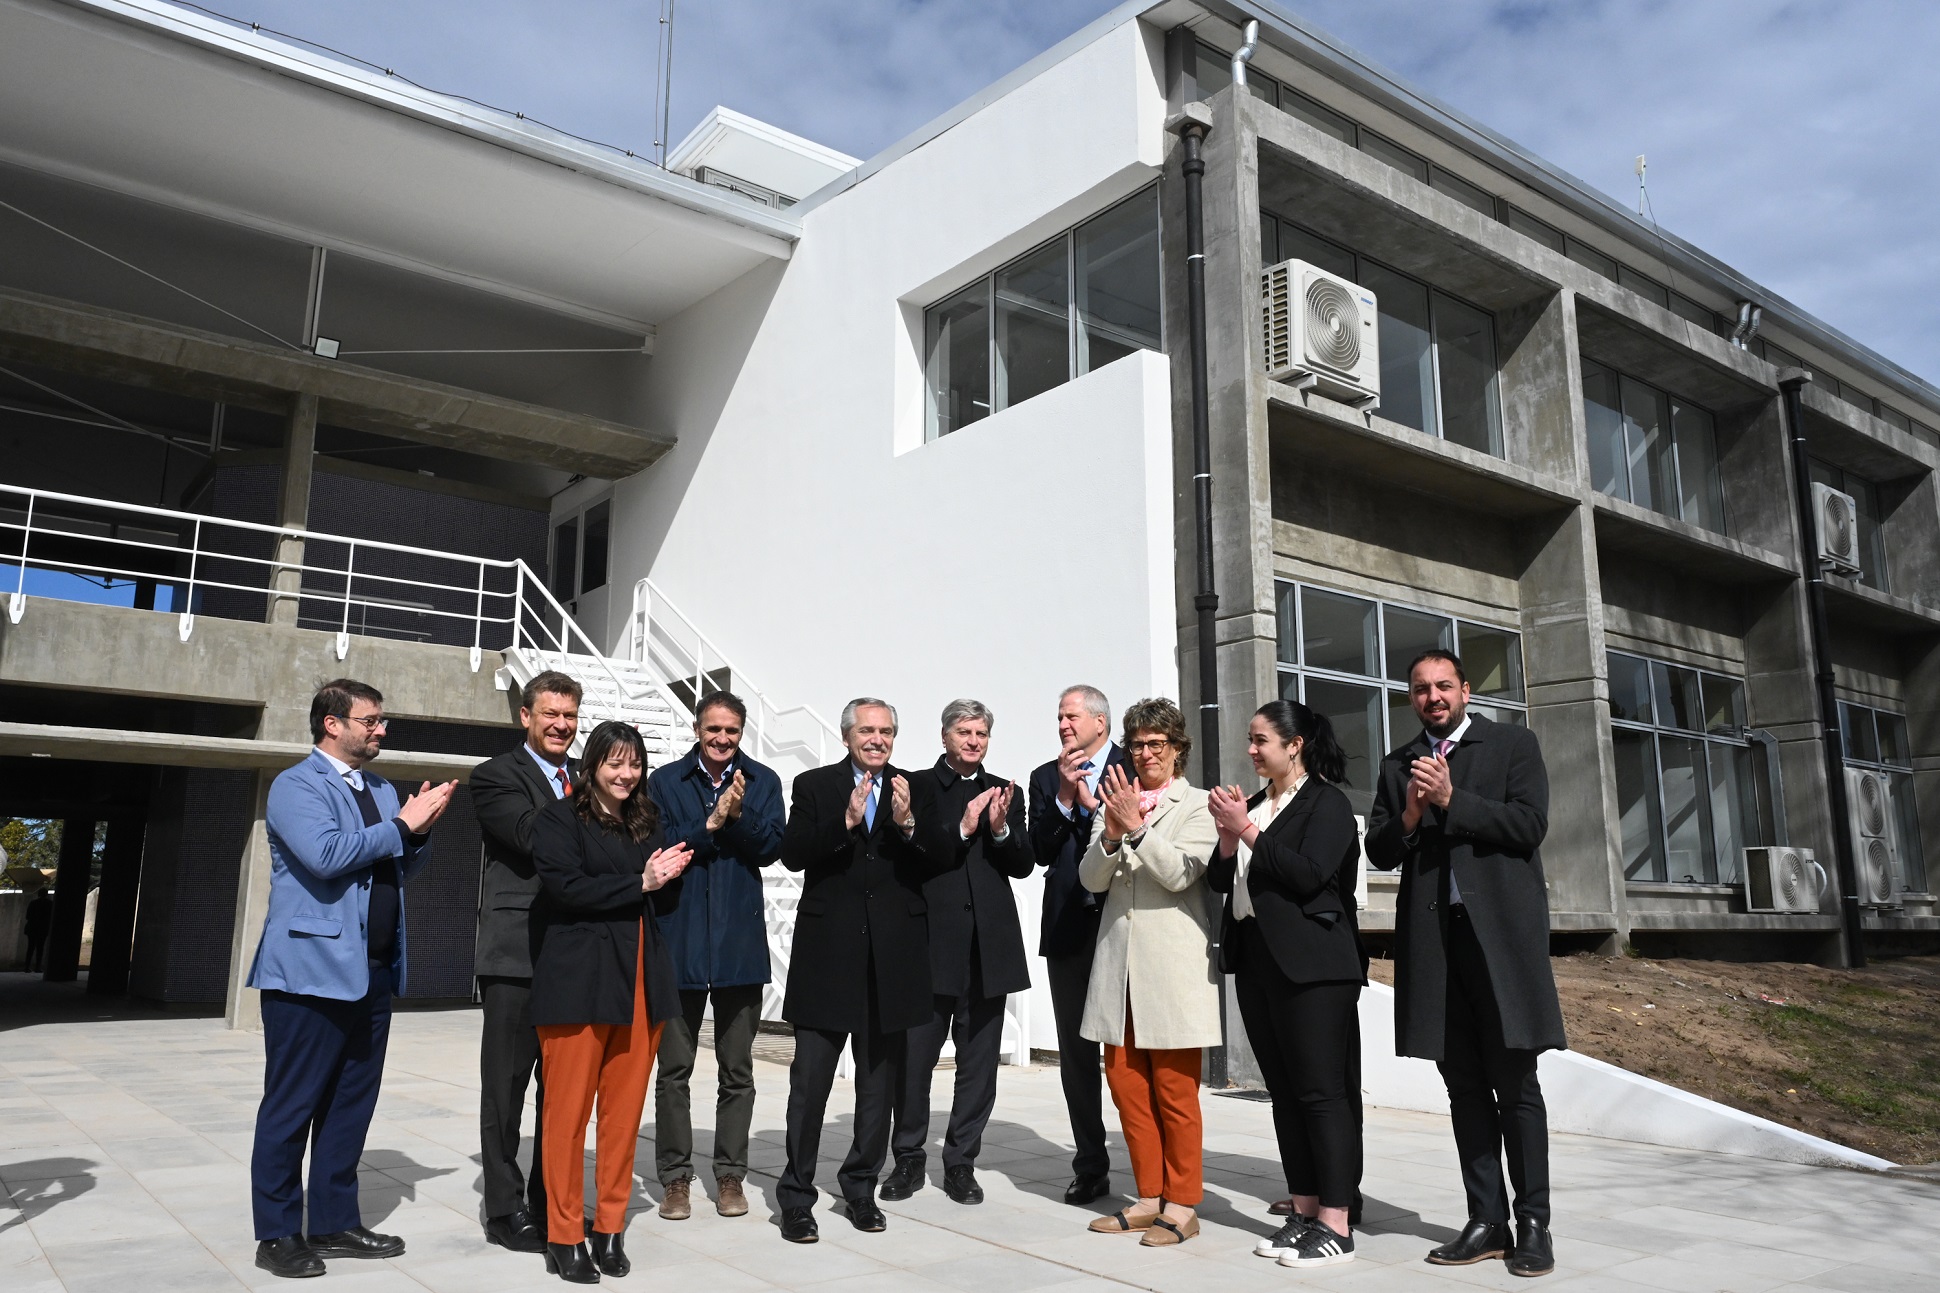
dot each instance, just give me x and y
(1307, 1041)
(1495, 1101)
(878, 1070)
(977, 1025)
(508, 1058)
(1078, 1063)
(36, 953)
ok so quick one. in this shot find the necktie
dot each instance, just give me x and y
(1443, 746)
(869, 808)
(565, 782)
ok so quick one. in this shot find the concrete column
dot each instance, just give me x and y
(293, 507)
(114, 912)
(72, 878)
(242, 1005)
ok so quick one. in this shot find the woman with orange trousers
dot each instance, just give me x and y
(602, 986)
(1154, 995)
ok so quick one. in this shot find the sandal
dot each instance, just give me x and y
(1123, 1222)
(1163, 1233)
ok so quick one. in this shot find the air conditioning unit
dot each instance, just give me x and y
(1869, 804)
(1783, 879)
(1322, 331)
(1836, 518)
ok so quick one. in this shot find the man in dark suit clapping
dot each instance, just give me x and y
(976, 953)
(1064, 796)
(508, 791)
(859, 971)
(1462, 810)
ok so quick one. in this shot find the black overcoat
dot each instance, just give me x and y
(861, 907)
(1071, 911)
(591, 915)
(508, 791)
(1489, 839)
(1301, 879)
(971, 906)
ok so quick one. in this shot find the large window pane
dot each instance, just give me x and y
(1412, 632)
(599, 526)
(1465, 356)
(1630, 698)
(1269, 240)
(1603, 411)
(1680, 698)
(1644, 285)
(1403, 726)
(1394, 155)
(1492, 658)
(1462, 191)
(1893, 749)
(1407, 363)
(565, 559)
(1338, 632)
(1321, 118)
(1700, 492)
(1862, 741)
(1297, 244)
(1356, 714)
(1288, 627)
(1590, 258)
(1913, 865)
(1646, 428)
(1687, 809)
(1212, 70)
(1640, 824)
(1118, 282)
(1529, 226)
(957, 360)
(1872, 552)
(1734, 808)
(1033, 326)
(1724, 705)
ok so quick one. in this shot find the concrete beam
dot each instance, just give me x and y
(142, 352)
(178, 750)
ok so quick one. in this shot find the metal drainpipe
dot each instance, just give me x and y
(1790, 381)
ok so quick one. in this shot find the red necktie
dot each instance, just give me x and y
(565, 783)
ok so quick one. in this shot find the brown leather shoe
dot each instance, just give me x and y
(729, 1200)
(673, 1203)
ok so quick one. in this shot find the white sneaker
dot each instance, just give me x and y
(1282, 1240)
(1318, 1245)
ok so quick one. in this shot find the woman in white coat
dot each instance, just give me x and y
(1154, 995)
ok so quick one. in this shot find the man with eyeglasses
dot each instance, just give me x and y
(332, 956)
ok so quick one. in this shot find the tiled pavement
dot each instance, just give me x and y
(124, 1142)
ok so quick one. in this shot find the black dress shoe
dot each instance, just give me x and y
(904, 1180)
(1533, 1254)
(960, 1183)
(865, 1216)
(798, 1226)
(516, 1231)
(1478, 1242)
(1084, 1189)
(608, 1255)
(288, 1257)
(356, 1242)
(571, 1263)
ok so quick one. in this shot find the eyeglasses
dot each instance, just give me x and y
(1152, 746)
(370, 722)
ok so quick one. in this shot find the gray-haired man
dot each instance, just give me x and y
(976, 953)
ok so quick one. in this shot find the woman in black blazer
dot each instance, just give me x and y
(602, 986)
(1286, 863)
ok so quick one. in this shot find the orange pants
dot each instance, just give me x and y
(577, 1063)
(1157, 1094)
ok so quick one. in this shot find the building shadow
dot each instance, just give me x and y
(36, 1185)
(406, 1171)
(27, 1000)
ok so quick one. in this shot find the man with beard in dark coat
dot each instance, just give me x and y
(1462, 810)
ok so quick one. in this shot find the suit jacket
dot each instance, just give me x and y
(1301, 879)
(971, 906)
(591, 916)
(1070, 921)
(508, 791)
(1489, 839)
(1155, 938)
(859, 926)
(713, 913)
(315, 939)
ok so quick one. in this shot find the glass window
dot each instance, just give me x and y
(1462, 191)
(1212, 70)
(599, 525)
(1724, 705)
(1630, 698)
(1779, 357)
(1402, 723)
(1407, 360)
(1320, 117)
(958, 362)
(1734, 808)
(1530, 227)
(1285, 597)
(1913, 862)
(1117, 264)
(565, 559)
(1679, 697)
(1644, 285)
(1591, 258)
(1893, 417)
(1033, 326)
(1465, 356)
(1492, 658)
(1872, 552)
(1394, 155)
(1893, 749)
(1297, 244)
(1685, 308)
(1701, 491)
(1646, 430)
(1603, 412)
(1338, 632)
(1639, 811)
(1356, 713)
(1862, 739)
(1687, 809)
(1409, 633)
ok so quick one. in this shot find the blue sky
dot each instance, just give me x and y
(1794, 139)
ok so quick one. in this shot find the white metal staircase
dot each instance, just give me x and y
(621, 690)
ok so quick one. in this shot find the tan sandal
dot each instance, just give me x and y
(1163, 1233)
(1123, 1222)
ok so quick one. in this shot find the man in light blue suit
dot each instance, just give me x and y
(332, 955)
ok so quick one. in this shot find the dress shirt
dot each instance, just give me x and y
(1453, 739)
(1261, 815)
(1092, 778)
(552, 771)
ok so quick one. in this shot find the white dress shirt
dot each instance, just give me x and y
(1261, 815)
(1092, 778)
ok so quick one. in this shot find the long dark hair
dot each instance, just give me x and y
(638, 817)
(1319, 749)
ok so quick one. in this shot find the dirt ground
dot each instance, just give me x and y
(1849, 1055)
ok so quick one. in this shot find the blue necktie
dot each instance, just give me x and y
(869, 809)
(1090, 785)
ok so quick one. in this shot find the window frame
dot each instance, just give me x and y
(1631, 454)
(577, 520)
(1873, 571)
(1899, 777)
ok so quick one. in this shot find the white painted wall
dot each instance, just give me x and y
(803, 523)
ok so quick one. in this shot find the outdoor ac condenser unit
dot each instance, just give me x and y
(1869, 803)
(1837, 520)
(1783, 879)
(1322, 331)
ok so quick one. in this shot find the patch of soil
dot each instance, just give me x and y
(1849, 1055)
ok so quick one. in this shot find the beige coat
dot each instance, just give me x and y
(1155, 936)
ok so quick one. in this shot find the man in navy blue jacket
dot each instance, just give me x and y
(727, 808)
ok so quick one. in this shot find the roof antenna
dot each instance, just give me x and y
(1640, 185)
(665, 74)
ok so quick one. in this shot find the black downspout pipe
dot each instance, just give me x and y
(1789, 382)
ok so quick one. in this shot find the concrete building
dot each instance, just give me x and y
(326, 373)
